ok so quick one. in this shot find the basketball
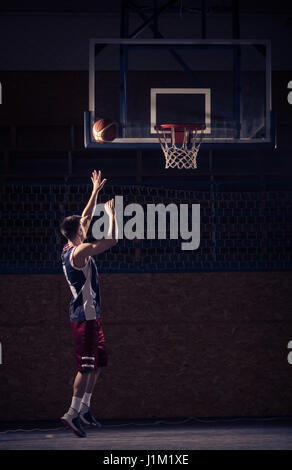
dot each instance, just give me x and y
(104, 130)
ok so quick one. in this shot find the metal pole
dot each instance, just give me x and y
(203, 19)
(91, 75)
(124, 71)
(155, 22)
(268, 90)
(236, 69)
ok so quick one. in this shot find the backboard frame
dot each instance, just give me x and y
(152, 142)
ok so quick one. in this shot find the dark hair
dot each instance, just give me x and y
(70, 225)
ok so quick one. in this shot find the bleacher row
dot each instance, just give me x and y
(239, 229)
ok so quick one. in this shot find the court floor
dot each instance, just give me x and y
(266, 434)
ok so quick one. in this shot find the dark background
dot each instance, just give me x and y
(202, 335)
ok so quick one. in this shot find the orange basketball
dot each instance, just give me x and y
(105, 130)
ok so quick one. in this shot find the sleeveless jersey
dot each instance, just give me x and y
(84, 285)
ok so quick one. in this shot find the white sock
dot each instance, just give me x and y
(86, 399)
(75, 405)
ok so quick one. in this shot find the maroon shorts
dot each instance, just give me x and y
(89, 344)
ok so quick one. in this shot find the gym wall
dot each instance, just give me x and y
(187, 344)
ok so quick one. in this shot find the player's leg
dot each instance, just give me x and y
(83, 336)
(85, 411)
(72, 418)
(100, 360)
(92, 379)
(80, 385)
(79, 389)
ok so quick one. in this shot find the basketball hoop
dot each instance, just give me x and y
(179, 149)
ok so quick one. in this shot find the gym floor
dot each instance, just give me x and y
(230, 434)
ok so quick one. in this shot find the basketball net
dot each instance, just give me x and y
(176, 148)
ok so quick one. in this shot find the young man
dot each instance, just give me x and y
(82, 276)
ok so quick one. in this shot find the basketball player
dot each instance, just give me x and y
(82, 276)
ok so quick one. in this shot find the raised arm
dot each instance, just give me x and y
(89, 249)
(88, 211)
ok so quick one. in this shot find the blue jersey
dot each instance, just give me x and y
(84, 285)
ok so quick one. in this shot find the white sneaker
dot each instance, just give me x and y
(73, 422)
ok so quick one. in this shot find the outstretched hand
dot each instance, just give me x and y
(110, 207)
(96, 180)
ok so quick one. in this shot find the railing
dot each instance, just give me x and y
(244, 226)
